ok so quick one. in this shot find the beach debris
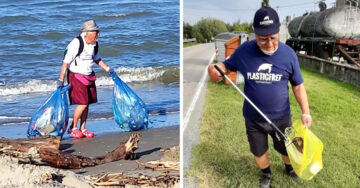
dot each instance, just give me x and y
(299, 143)
(59, 159)
(171, 154)
(119, 179)
(161, 165)
(26, 149)
(46, 149)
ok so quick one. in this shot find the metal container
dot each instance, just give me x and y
(339, 22)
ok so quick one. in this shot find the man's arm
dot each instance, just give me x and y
(63, 70)
(103, 65)
(301, 97)
(214, 74)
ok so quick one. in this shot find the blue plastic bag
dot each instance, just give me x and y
(130, 112)
(52, 117)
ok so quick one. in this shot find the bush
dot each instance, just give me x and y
(207, 28)
(187, 29)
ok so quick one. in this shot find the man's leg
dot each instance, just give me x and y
(78, 114)
(258, 141)
(84, 117)
(286, 159)
(288, 168)
(262, 161)
(264, 165)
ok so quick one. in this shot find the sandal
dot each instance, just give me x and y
(87, 133)
(75, 133)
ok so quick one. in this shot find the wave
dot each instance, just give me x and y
(10, 120)
(122, 15)
(9, 19)
(54, 35)
(167, 74)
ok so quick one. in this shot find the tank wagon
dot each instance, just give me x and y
(333, 32)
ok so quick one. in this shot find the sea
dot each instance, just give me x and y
(138, 39)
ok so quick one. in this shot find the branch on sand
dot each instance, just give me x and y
(46, 149)
(161, 165)
(118, 179)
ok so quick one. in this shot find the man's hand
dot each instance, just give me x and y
(214, 74)
(59, 83)
(306, 120)
(108, 70)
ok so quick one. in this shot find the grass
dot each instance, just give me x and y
(223, 159)
(188, 44)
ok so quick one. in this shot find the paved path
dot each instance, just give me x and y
(195, 62)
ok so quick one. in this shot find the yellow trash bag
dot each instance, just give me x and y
(304, 150)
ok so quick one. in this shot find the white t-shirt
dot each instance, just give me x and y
(85, 60)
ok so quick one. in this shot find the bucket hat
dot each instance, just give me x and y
(90, 25)
(266, 21)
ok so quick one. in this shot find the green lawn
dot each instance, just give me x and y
(222, 157)
(188, 44)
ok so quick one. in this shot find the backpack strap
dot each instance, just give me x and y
(81, 47)
(96, 48)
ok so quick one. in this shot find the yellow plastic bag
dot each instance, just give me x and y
(304, 150)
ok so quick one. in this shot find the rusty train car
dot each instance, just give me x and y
(333, 32)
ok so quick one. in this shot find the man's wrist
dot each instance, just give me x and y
(306, 115)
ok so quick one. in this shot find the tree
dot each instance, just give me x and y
(265, 3)
(207, 28)
(229, 27)
(187, 29)
(244, 27)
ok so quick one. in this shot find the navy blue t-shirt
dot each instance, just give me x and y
(266, 79)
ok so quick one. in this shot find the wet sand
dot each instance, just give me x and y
(107, 138)
(152, 140)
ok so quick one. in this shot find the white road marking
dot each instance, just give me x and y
(196, 96)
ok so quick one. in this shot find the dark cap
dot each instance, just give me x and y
(266, 21)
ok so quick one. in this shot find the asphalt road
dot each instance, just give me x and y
(195, 62)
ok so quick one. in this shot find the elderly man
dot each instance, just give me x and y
(267, 66)
(81, 54)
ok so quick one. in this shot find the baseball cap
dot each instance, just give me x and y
(266, 21)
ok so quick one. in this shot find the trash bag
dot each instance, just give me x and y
(52, 117)
(304, 150)
(130, 112)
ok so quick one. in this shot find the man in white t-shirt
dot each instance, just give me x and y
(81, 54)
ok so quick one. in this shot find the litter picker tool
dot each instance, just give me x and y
(287, 140)
(306, 159)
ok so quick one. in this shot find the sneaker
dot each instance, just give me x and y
(265, 180)
(292, 174)
(75, 133)
(87, 133)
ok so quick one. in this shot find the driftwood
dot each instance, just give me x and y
(61, 159)
(25, 144)
(161, 165)
(46, 149)
(118, 179)
(26, 149)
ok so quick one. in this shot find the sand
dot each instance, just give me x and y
(26, 175)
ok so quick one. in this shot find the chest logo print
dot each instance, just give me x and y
(264, 74)
(265, 66)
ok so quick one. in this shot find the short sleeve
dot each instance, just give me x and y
(231, 62)
(71, 51)
(97, 56)
(295, 77)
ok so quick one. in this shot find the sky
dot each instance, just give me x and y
(231, 11)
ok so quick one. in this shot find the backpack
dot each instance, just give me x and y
(81, 48)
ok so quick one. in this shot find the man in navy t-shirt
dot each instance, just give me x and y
(267, 66)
